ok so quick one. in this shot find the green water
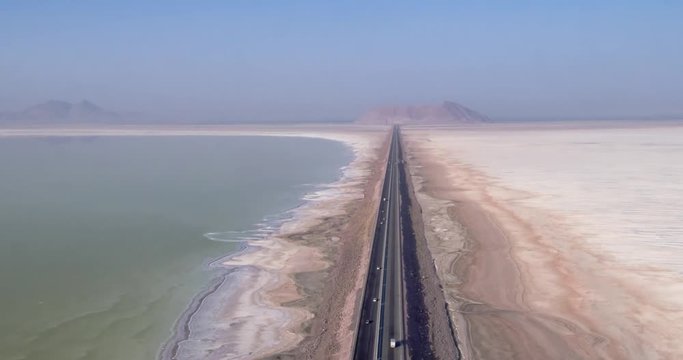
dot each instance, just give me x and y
(101, 239)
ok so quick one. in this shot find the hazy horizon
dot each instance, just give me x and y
(269, 61)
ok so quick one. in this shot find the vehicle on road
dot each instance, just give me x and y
(392, 343)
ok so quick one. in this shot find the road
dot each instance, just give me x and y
(382, 308)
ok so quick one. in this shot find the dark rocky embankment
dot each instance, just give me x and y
(429, 329)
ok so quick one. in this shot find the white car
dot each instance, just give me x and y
(392, 343)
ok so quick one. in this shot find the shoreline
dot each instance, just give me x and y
(266, 307)
(181, 329)
(341, 236)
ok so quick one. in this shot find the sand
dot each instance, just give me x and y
(295, 293)
(556, 243)
(314, 262)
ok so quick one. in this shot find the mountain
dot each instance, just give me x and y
(446, 113)
(55, 111)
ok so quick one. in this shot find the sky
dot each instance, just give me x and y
(321, 60)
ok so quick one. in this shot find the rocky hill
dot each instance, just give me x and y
(446, 113)
(55, 111)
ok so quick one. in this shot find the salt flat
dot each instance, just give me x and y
(620, 187)
(590, 223)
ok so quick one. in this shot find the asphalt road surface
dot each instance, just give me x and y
(382, 310)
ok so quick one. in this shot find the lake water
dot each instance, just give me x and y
(102, 240)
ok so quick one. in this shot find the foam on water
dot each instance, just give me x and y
(101, 252)
(270, 224)
(236, 319)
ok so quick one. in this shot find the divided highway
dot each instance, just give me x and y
(381, 329)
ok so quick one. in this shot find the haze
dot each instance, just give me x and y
(277, 61)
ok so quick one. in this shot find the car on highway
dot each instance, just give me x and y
(392, 343)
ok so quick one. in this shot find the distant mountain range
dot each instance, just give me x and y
(446, 113)
(55, 111)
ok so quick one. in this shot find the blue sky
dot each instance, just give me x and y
(301, 60)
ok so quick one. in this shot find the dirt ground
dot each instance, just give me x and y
(333, 295)
(430, 331)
